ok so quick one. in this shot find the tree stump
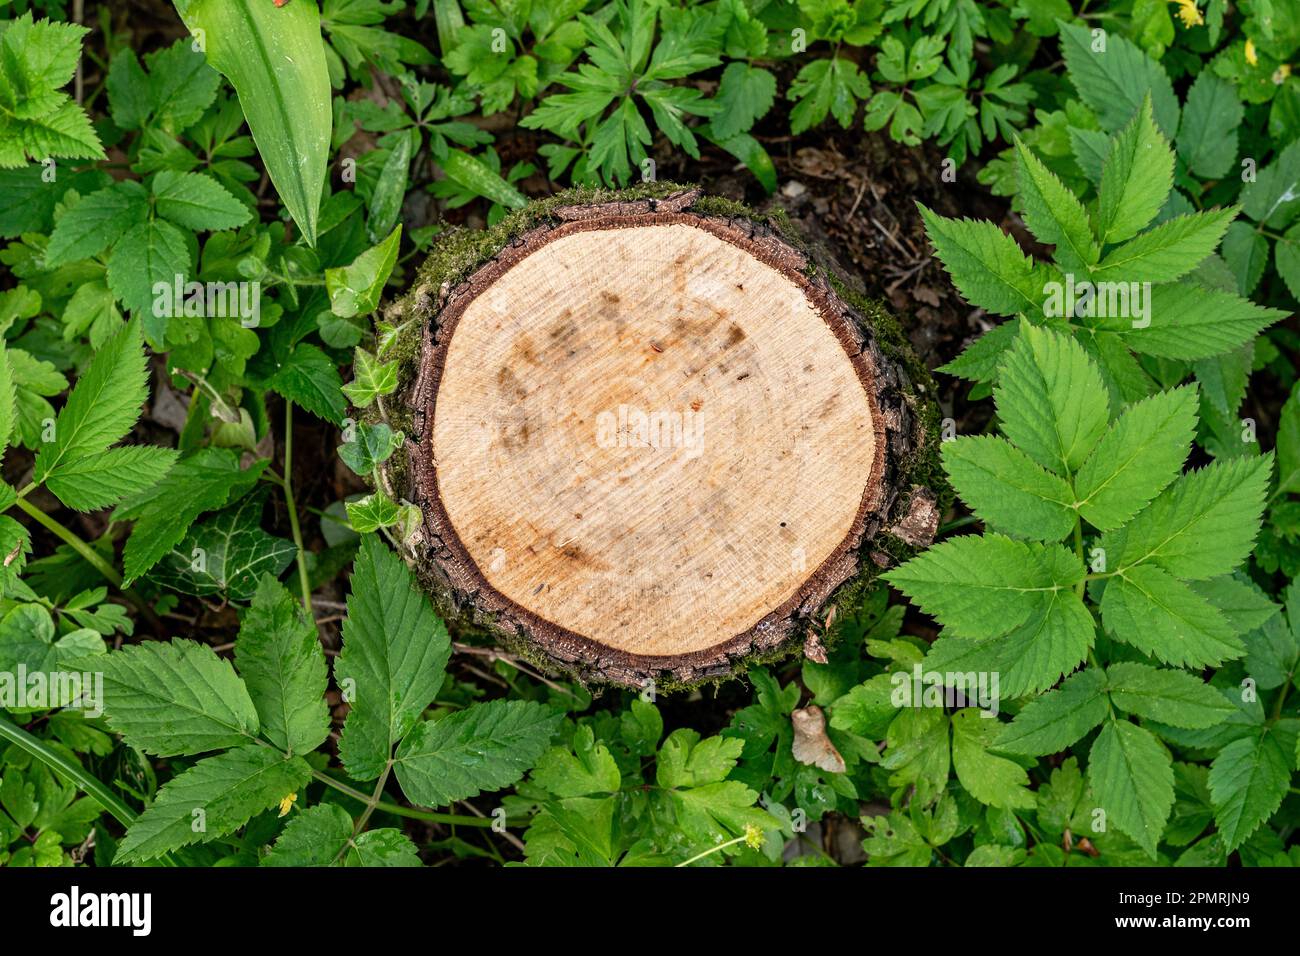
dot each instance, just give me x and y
(650, 439)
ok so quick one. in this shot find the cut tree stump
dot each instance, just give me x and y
(650, 440)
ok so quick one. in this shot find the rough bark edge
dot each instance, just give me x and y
(885, 531)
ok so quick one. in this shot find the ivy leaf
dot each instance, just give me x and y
(174, 698)
(1051, 398)
(323, 836)
(226, 554)
(1132, 779)
(1140, 454)
(1058, 718)
(355, 289)
(993, 781)
(1007, 489)
(283, 666)
(229, 788)
(394, 651)
(1171, 697)
(101, 408)
(371, 378)
(203, 481)
(369, 448)
(484, 747)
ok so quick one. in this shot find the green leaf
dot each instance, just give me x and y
(310, 378)
(370, 447)
(1132, 779)
(994, 781)
(150, 253)
(1190, 321)
(1008, 490)
(1141, 453)
(371, 378)
(197, 201)
(1113, 76)
(322, 836)
(355, 289)
(390, 190)
(745, 94)
(1204, 524)
(91, 225)
(203, 481)
(287, 107)
(585, 769)
(1058, 718)
(1207, 136)
(228, 789)
(174, 698)
(1167, 252)
(1052, 212)
(1159, 615)
(101, 408)
(391, 666)
(987, 266)
(95, 481)
(986, 586)
(1171, 697)
(1051, 398)
(281, 661)
(372, 512)
(1248, 781)
(487, 746)
(480, 179)
(1135, 180)
(7, 398)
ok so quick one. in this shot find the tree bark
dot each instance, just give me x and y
(652, 439)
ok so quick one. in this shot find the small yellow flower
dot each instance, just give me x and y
(753, 837)
(1281, 73)
(1188, 13)
(287, 803)
(1251, 57)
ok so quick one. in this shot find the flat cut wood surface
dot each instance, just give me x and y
(649, 438)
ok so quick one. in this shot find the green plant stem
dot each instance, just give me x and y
(93, 786)
(68, 537)
(91, 557)
(287, 484)
(398, 810)
(711, 850)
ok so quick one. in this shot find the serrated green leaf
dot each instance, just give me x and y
(484, 747)
(1248, 781)
(1051, 399)
(986, 265)
(1159, 615)
(1190, 321)
(1053, 213)
(1140, 454)
(280, 658)
(197, 201)
(101, 408)
(1058, 718)
(174, 698)
(1132, 779)
(1008, 490)
(1207, 136)
(394, 651)
(992, 780)
(322, 836)
(229, 789)
(1135, 180)
(1171, 697)
(1167, 252)
(99, 480)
